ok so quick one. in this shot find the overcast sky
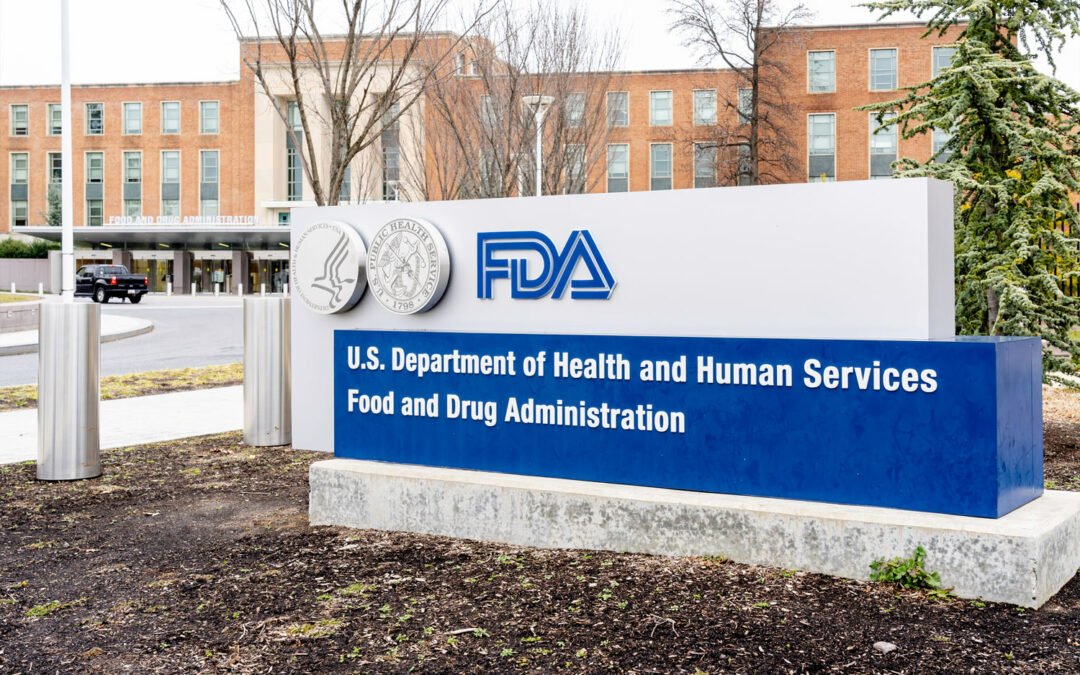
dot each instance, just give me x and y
(116, 41)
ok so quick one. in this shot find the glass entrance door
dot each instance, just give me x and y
(273, 273)
(206, 274)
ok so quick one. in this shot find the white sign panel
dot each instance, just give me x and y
(861, 260)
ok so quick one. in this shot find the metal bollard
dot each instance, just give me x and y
(262, 289)
(40, 288)
(240, 290)
(267, 371)
(69, 352)
(217, 289)
(193, 288)
(168, 288)
(285, 289)
(12, 286)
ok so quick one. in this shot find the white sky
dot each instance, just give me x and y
(117, 41)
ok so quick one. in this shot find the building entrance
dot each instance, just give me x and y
(273, 273)
(158, 273)
(208, 274)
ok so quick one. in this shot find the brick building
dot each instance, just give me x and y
(192, 181)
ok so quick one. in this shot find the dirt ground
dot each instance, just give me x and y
(196, 556)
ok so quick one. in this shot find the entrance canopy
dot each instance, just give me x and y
(169, 236)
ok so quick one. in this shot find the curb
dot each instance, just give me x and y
(32, 347)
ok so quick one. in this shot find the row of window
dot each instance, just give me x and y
(821, 68)
(661, 113)
(821, 156)
(94, 170)
(131, 120)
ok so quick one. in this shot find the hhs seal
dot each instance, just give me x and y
(408, 266)
(327, 268)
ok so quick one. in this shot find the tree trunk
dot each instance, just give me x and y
(992, 304)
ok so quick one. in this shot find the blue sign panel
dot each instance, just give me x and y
(952, 426)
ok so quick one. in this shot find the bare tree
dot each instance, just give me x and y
(346, 89)
(754, 39)
(479, 135)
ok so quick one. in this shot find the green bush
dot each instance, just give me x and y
(909, 573)
(16, 248)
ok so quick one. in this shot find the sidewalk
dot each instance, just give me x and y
(132, 421)
(113, 327)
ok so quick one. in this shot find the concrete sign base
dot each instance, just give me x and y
(1022, 558)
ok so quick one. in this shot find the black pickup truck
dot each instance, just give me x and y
(102, 282)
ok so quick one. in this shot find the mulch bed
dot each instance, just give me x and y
(196, 556)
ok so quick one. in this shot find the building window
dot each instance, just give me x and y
(822, 71)
(170, 183)
(942, 58)
(94, 212)
(208, 117)
(822, 148)
(618, 108)
(20, 172)
(56, 168)
(132, 167)
(882, 69)
(618, 167)
(20, 176)
(133, 118)
(705, 106)
(882, 147)
(95, 167)
(20, 120)
(95, 119)
(660, 108)
(209, 175)
(460, 64)
(345, 191)
(294, 170)
(660, 166)
(746, 169)
(283, 218)
(391, 152)
(575, 169)
(746, 105)
(487, 112)
(56, 119)
(941, 139)
(575, 109)
(133, 177)
(704, 165)
(170, 117)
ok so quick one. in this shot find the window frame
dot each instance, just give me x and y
(836, 164)
(11, 167)
(123, 162)
(870, 147)
(48, 119)
(49, 168)
(696, 147)
(607, 167)
(11, 120)
(607, 108)
(179, 118)
(809, 72)
(217, 118)
(86, 121)
(179, 179)
(716, 115)
(933, 53)
(870, 67)
(86, 167)
(124, 118)
(671, 107)
(671, 166)
(570, 121)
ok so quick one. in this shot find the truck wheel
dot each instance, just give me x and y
(99, 295)
(134, 299)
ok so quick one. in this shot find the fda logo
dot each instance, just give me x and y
(535, 268)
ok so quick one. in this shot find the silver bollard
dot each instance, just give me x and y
(267, 371)
(40, 288)
(240, 290)
(12, 286)
(217, 289)
(262, 289)
(285, 289)
(69, 352)
(168, 288)
(193, 288)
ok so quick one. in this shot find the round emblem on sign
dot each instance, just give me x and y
(327, 269)
(408, 266)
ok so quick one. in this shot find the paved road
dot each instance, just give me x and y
(188, 331)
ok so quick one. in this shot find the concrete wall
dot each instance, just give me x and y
(16, 316)
(26, 273)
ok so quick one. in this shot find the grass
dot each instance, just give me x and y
(138, 384)
(8, 297)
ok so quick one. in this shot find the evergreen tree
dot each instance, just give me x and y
(1013, 157)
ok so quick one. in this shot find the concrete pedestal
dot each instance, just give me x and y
(1023, 558)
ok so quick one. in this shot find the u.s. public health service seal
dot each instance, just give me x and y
(408, 266)
(327, 269)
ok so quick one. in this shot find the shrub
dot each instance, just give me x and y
(16, 248)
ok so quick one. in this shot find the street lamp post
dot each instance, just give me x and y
(539, 104)
(69, 335)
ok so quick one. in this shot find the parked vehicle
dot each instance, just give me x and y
(102, 282)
